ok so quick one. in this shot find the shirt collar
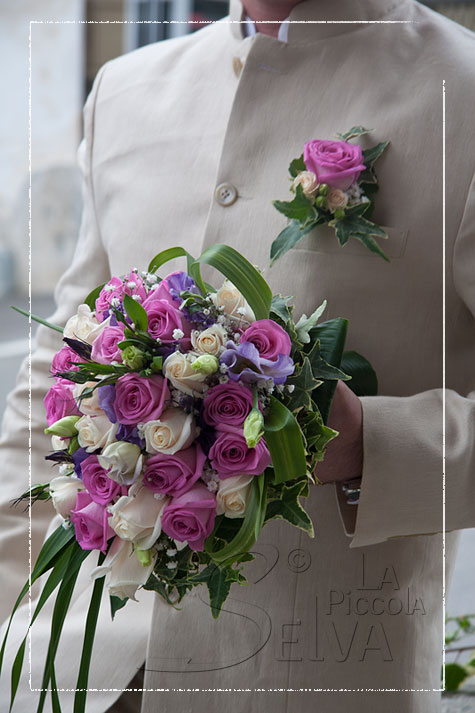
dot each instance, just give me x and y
(313, 20)
(250, 28)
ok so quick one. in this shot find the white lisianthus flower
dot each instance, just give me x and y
(90, 404)
(233, 303)
(209, 341)
(84, 325)
(232, 495)
(336, 199)
(95, 432)
(174, 431)
(178, 370)
(122, 461)
(124, 570)
(308, 181)
(137, 517)
(64, 491)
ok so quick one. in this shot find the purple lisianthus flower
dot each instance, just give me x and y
(106, 398)
(245, 364)
(130, 434)
(180, 282)
(78, 456)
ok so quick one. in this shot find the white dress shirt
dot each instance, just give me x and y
(250, 28)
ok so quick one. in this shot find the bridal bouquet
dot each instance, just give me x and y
(183, 417)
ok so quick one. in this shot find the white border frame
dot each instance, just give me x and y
(236, 690)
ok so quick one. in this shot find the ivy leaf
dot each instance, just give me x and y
(372, 154)
(300, 208)
(288, 238)
(353, 133)
(288, 508)
(317, 433)
(321, 369)
(454, 676)
(305, 324)
(281, 308)
(296, 166)
(304, 383)
(361, 229)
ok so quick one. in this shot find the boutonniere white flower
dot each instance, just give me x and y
(334, 184)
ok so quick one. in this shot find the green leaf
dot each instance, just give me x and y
(305, 324)
(372, 154)
(321, 369)
(49, 554)
(116, 604)
(218, 583)
(281, 308)
(364, 381)
(362, 229)
(304, 382)
(38, 319)
(249, 531)
(169, 254)
(287, 239)
(296, 166)
(353, 133)
(454, 676)
(332, 336)
(300, 208)
(289, 508)
(242, 274)
(285, 442)
(90, 300)
(136, 313)
(90, 631)
(317, 434)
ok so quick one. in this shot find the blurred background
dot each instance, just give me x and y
(72, 39)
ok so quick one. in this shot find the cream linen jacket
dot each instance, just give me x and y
(358, 609)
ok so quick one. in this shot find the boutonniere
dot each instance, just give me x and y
(334, 184)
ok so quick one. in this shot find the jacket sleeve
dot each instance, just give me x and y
(19, 455)
(402, 487)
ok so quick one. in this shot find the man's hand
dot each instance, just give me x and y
(344, 455)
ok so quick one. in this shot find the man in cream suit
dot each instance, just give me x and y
(186, 143)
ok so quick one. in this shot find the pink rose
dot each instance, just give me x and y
(91, 523)
(174, 474)
(64, 360)
(337, 163)
(139, 399)
(269, 338)
(100, 487)
(190, 517)
(230, 454)
(164, 319)
(104, 347)
(227, 404)
(60, 402)
(131, 284)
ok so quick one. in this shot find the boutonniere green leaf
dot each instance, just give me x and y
(334, 184)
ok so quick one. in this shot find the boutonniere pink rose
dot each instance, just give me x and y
(334, 184)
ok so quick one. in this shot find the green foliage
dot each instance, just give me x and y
(303, 382)
(300, 208)
(90, 300)
(364, 381)
(287, 507)
(332, 336)
(455, 674)
(38, 319)
(136, 313)
(296, 166)
(288, 239)
(353, 133)
(285, 442)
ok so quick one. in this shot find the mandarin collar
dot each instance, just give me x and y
(313, 20)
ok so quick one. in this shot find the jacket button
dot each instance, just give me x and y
(237, 66)
(226, 194)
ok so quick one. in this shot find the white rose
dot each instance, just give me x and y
(84, 325)
(137, 517)
(124, 570)
(178, 370)
(174, 431)
(209, 341)
(89, 404)
(95, 432)
(229, 297)
(122, 461)
(232, 495)
(64, 491)
(336, 198)
(308, 181)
